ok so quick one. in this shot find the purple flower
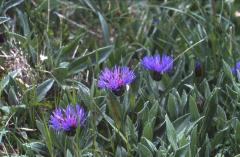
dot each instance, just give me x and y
(198, 68)
(236, 68)
(157, 63)
(155, 21)
(67, 119)
(197, 64)
(115, 78)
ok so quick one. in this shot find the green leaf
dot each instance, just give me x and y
(84, 94)
(153, 111)
(219, 137)
(12, 97)
(125, 103)
(104, 28)
(171, 133)
(194, 141)
(143, 151)
(162, 152)
(69, 154)
(227, 70)
(4, 82)
(90, 59)
(182, 151)
(149, 144)
(115, 109)
(40, 126)
(91, 5)
(148, 130)
(184, 98)
(121, 152)
(130, 130)
(68, 49)
(144, 113)
(207, 91)
(60, 73)
(193, 108)
(181, 122)
(177, 75)
(43, 128)
(211, 104)
(10, 4)
(111, 123)
(23, 20)
(4, 19)
(43, 88)
(3, 132)
(237, 132)
(172, 107)
(37, 147)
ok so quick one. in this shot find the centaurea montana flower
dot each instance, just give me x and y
(236, 67)
(67, 119)
(158, 64)
(115, 78)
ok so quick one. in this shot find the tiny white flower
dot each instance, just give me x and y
(42, 57)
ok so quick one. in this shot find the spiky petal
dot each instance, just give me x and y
(67, 119)
(158, 63)
(236, 67)
(115, 78)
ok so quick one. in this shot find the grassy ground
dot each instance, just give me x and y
(51, 54)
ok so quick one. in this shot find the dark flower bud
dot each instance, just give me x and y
(2, 38)
(198, 69)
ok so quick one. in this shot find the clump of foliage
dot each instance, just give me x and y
(154, 78)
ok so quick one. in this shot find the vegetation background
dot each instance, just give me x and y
(51, 54)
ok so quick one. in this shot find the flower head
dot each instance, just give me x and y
(155, 21)
(115, 78)
(236, 67)
(67, 119)
(198, 68)
(157, 63)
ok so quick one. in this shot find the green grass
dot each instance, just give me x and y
(54, 50)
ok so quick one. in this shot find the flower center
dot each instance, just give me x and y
(71, 131)
(119, 91)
